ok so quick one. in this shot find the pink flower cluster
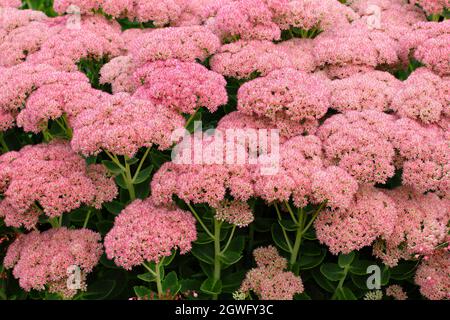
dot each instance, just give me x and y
(432, 276)
(43, 260)
(49, 179)
(268, 280)
(396, 292)
(181, 86)
(298, 95)
(246, 59)
(372, 214)
(234, 212)
(420, 227)
(145, 233)
(122, 124)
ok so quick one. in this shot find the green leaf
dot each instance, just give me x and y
(278, 237)
(310, 234)
(332, 271)
(344, 294)
(170, 283)
(359, 281)
(322, 281)
(142, 292)
(112, 167)
(99, 290)
(403, 270)
(302, 296)
(311, 261)
(132, 161)
(168, 260)
(121, 182)
(143, 175)
(210, 286)
(232, 281)
(203, 252)
(230, 257)
(104, 226)
(147, 277)
(346, 259)
(114, 207)
(203, 238)
(288, 225)
(359, 267)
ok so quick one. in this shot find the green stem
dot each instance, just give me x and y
(298, 237)
(129, 180)
(341, 283)
(229, 240)
(60, 220)
(54, 222)
(86, 220)
(157, 274)
(3, 143)
(217, 266)
(189, 120)
(291, 212)
(140, 164)
(209, 233)
(286, 237)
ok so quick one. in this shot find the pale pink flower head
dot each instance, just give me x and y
(181, 86)
(335, 186)
(234, 212)
(310, 14)
(298, 95)
(247, 20)
(354, 49)
(122, 124)
(119, 73)
(423, 149)
(248, 59)
(144, 233)
(269, 280)
(434, 53)
(96, 39)
(395, 291)
(84, 6)
(424, 96)
(421, 226)
(372, 90)
(433, 6)
(49, 179)
(359, 143)
(432, 276)
(42, 261)
(300, 157)
(10, 3)
(372, 214)
(183, 43)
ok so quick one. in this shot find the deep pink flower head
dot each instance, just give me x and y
(183, 43)
(122, 124)
(234, 212)
(248, 59)
(36, 93)
(181, 86)
(359, 143)
(247, 20)
(396, 292)
(354, 49)
(42, 261)
(423, 96)
(372, 90)
(119, 73)
(310, 14)
(269, 280)
(144, 233)
(432, 276)
(421, 226)
(298, 95)
(423, 150)
(49, 179)
(95, 38)
(372, 214)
